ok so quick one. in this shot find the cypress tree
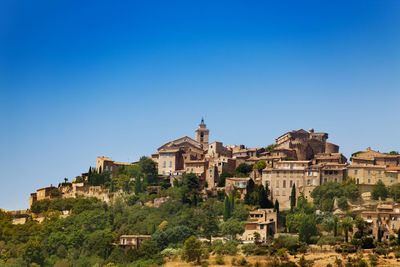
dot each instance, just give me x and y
(227, 208)
(398, 236)
(138, 185)
(232, 202)
(276, 206)
(263, 200)
(293, 198)
(247, 198)
(335, 228)
(100, 171)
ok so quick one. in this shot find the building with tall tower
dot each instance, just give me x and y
(184, 154)
(202, 134)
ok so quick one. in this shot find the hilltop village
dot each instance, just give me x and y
(300, 185)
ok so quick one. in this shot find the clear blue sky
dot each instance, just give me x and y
(119, 79)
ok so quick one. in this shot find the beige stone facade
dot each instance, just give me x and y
(240, 184)
(304, 144)
(371, 166)
(41, 194)
(261, 221)
(385, 217)
(303, 174)
(106, 164)
(132, 241)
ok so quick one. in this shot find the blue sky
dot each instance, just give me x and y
(79, 80)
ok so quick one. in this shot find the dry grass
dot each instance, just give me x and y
(320, 260)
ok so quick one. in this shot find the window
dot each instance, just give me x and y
(261, 226)
(170, 164)
(358, 181)
(355, 171)
(308, 182)
(335, 180)
(170, 155)
(369, 171)
(164, 164)
(369, 180)
(314, 182)
(291, 183)
(325, 180)
(284, 184)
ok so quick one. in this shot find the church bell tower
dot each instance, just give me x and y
(202, 134)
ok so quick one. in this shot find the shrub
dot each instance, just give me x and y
(248, 249)
(219, 260)
(373, 259)
(242, 262)
(290, 242)
(381, 250)
(227, 248)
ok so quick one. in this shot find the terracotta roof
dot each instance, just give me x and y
(371, 155)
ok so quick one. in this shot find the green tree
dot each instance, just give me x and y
(222, 178)
(379, 191)
(192, 249)
(191, 181)
(395, 191)
(227, 209)
(398, 237)
(210, 218)
(293, 198)
(232, 227)
(33, 252)
(243, 170)
(276, 206)
(347, 225)
(271, 147)
(342, 203)
(307, 228)
(260, 165)
(138, 185)
(264, 202)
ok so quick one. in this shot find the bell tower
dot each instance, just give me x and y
(202, 134)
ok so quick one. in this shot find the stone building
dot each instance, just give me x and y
(304, 145)
(263, 222)
(216, 167)
(41, 194)
(106, 164)
(385, 217)
(373, 158)
(172, 156)
(202, 134)
(238, 183)
(281, 178)
(132, 241)
(303, 174)
(217, 150)
(371, 166)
